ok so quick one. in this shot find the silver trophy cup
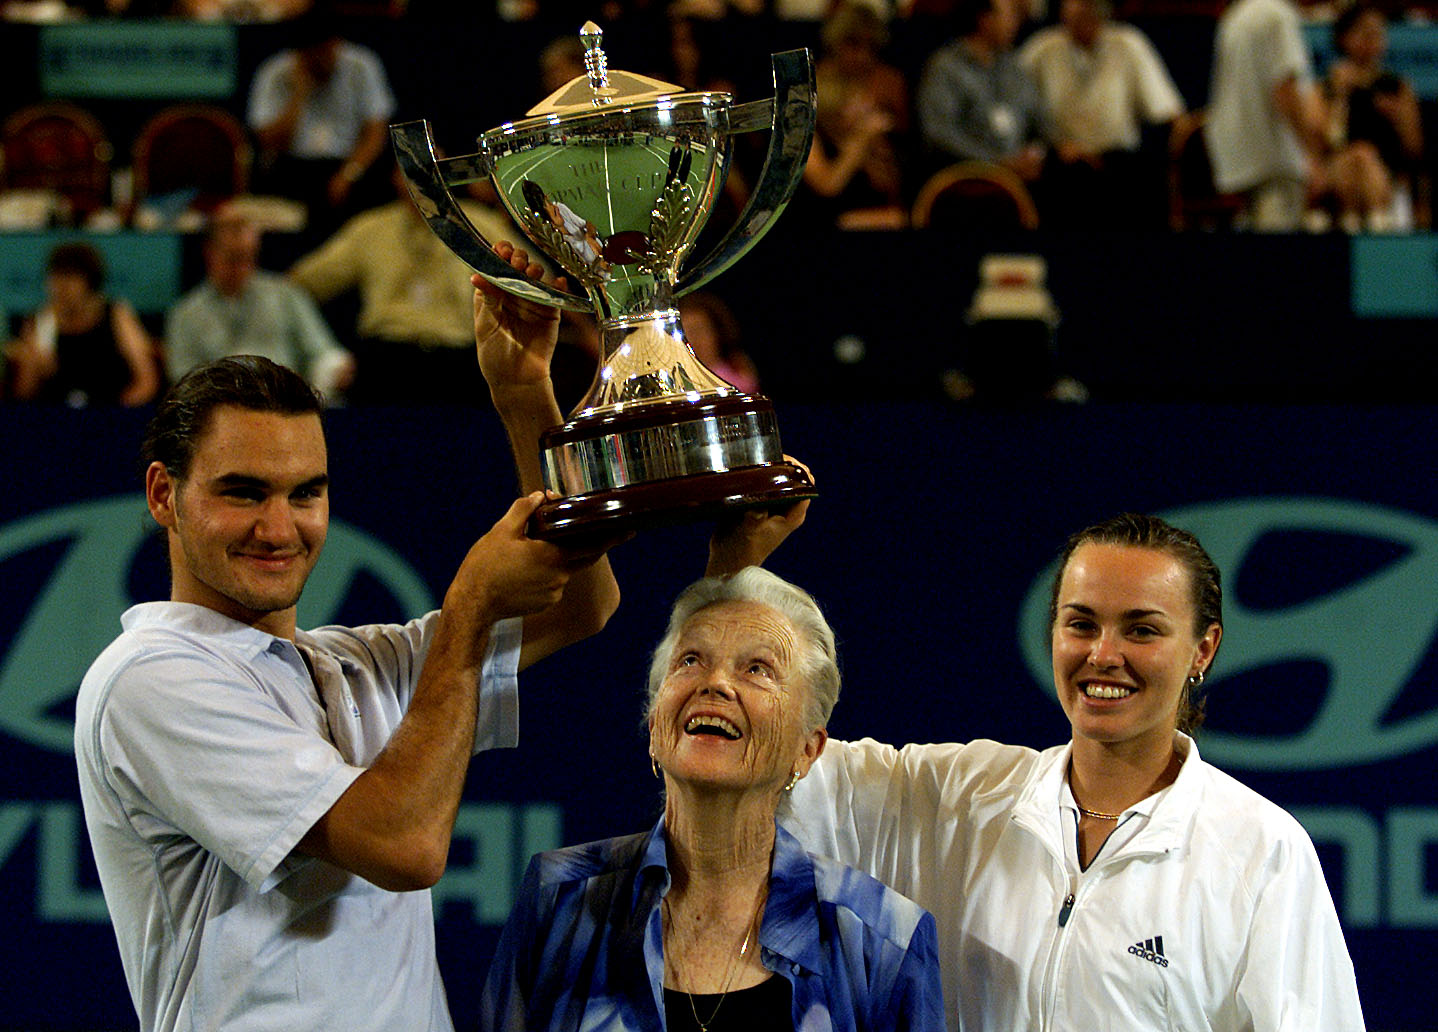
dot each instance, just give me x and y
(613, 177)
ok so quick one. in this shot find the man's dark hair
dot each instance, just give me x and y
(533, 196)
(315, 27)
(244, 381)
(964, 19)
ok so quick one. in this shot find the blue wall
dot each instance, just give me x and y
(933, 531)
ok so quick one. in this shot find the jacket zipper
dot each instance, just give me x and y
(1056, 948)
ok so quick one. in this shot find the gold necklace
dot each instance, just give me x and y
(1099, 814)
(733, 962)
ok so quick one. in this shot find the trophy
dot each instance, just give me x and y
(613, 176)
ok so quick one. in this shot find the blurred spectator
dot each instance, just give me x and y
(415, 328)
(695, 59)
(320, 112)
(1265, 122)
(561, 60)
(713, 335)
(241, 309)
(716, 10)
(241, 10)
(1099, 82)
(1374, 126)
(863, 111)
(975, 102)
(82, 348)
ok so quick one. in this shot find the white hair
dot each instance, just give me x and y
(818, 661)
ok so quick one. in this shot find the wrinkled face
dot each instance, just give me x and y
(729, 714)
(1124, 644)
(247, 522)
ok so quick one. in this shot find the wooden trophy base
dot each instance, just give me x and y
(687, 499)
(664, 462)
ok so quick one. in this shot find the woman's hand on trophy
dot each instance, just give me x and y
(748, 537)
(515, 337)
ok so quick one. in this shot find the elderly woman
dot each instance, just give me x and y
(1116, 881)
(716, 919)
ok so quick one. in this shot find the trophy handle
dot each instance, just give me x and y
(429, 179)
(790, 118)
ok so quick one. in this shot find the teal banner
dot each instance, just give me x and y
(1395, 277)
(141, 268)
(160, 59)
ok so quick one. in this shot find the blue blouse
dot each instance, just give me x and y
(583, 948)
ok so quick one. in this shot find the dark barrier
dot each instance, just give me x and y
(928, 550)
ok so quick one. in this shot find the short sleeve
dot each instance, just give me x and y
(376, 97)
(1291, 57)
(267, 97)
(497, 723)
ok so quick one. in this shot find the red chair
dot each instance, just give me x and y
(192, 147)
(1193, 201)
(974, 195)
(58, 147)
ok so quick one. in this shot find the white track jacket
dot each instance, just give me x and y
(1206, 908)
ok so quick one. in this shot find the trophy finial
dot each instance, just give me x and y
(595, 63)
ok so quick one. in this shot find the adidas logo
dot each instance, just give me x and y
(1150, 950)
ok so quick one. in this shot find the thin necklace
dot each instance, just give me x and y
(1084, 809)
(733, 963)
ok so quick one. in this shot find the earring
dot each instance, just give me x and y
(654, 764)
(793, 780)
(1196, 679)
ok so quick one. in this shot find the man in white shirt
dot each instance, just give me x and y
(1099, 82)
(1264, 129)
(241, 309)
(269, 806)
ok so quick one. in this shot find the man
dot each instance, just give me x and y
(240, 309)
(415, 328)
(268, 805)
(1099, 83)
(1265, 116)
(975, 102)
(319, 111)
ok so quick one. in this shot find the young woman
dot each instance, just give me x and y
(1117, 880)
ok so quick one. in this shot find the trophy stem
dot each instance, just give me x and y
(644, 359)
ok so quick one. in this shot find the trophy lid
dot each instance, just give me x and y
(600, 86)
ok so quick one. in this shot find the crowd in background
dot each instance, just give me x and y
(1070, 108)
